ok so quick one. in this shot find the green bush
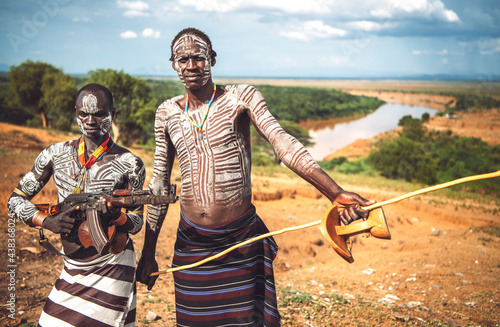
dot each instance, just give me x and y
(404, 158)
(332, 164)
(262, 159)
(353, 167)
(468, 101)
(436, 157)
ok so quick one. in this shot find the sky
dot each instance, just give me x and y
(260, 38)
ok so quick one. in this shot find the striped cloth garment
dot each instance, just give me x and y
(99, 292)
(234, 290)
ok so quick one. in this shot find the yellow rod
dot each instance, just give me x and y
(434, 188)
(218, 255)
(371, 207)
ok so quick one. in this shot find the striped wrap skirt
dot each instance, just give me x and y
(236, 289)
(99, 291)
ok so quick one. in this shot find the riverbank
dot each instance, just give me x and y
(483, 125)
(440, 102)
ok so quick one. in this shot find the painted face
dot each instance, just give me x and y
(192, 61)
(93, 115)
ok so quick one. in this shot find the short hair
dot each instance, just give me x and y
(93, 88)
(196, 32)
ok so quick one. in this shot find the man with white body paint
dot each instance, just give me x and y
(209, 130)
(93, 289)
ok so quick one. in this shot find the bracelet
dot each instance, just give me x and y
(38, 218)
(120, 221)
(21, 193)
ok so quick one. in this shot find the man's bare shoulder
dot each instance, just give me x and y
(244, 95)
(125, 154)
(238, 88)
(61, 147)
(169, 108)
(170, 103)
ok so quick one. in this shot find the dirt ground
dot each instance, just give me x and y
(441, 267)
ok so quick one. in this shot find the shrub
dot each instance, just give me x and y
(436, 157)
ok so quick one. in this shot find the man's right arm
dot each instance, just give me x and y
(19, 204)
(160, 183)
(296, 157)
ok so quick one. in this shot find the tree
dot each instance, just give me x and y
(412, 127)
(59, 100)
(404, 158)
(44, 89)
(134, 104)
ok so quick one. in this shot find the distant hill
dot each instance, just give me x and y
(152, 72)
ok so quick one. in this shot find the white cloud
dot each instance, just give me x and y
(340, 61)
(430, 9)
(368, 26)
(354, 9)
(489, 47)
(81, 19)
(313, 29)
(287, 6)
(149, 32)
(380, 13)
(295, 35)
(443, 52)
(451, 16)
(134, 8)
(128, 35)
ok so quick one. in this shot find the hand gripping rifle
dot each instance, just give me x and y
(91, 204)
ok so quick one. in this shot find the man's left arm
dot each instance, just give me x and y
(296, 157)
(131, 221)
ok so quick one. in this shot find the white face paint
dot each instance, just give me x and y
(89, 104)
(80, 126)
(106, 125)
(90, 107)
(192, 46)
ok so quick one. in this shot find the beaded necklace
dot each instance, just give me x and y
(86, 164)
(199, 127)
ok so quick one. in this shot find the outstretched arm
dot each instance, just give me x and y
(160, 183)
(295, 156)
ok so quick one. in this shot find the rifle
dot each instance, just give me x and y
(91, 204)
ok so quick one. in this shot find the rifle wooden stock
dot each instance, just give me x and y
(118, 239)
(99, 238)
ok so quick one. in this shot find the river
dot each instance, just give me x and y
(328, 139)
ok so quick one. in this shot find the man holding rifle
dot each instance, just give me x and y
(95, 288)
